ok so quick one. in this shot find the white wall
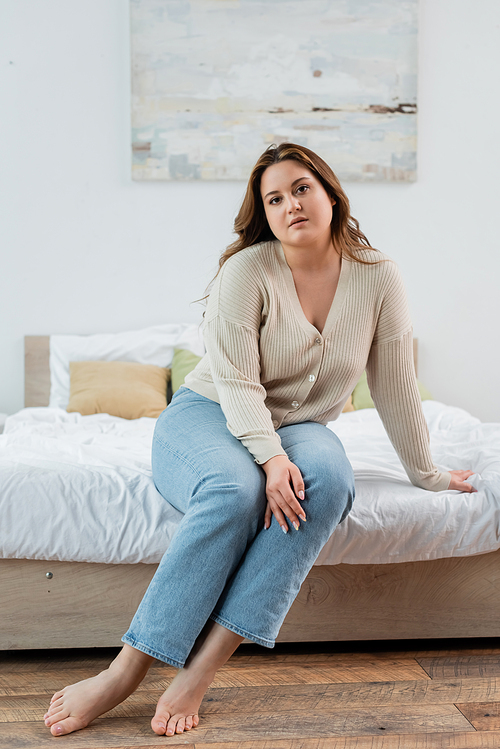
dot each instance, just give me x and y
(84, 249)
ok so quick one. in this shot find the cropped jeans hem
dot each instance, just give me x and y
(147, 650)
(238, 631)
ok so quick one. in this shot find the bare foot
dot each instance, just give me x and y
(76, 706)
(177, 708)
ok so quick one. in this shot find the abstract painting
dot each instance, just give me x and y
(214, 82)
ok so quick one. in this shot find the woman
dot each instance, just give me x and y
(300, 306)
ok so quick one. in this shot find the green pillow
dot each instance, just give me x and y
(361, 397)
(182, 364)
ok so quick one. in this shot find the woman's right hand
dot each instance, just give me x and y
(284, 484)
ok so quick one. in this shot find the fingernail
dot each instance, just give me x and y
(58, 729)
(265, 527)
(303, 517)
(162, 725)
(301, 495)
(284, 528)
(295, 525)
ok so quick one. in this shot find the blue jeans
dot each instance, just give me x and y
(222, 564)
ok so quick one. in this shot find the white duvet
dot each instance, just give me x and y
(79, 488)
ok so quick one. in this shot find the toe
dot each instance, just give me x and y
(181, 723)
(55, 706)
(56, 696)
(159, 724)
(189, 723)
(55, 717)
(68, 725)
(196, 720)
(171, 725)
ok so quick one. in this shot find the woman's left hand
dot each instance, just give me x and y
(458, 481)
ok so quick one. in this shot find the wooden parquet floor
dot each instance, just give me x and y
(418, 695)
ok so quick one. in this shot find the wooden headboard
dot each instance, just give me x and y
(37, 371)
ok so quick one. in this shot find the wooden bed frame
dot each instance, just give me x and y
(74, 604)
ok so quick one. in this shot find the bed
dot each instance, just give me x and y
(83, 529)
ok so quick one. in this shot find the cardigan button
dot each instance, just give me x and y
(318, 341)
(311, 378)
(295, 404)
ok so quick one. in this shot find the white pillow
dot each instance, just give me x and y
(153, 345)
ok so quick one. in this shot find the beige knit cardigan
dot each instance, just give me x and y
(268, 366)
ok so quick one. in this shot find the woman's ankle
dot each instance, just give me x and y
(216, 644)
(130, 658)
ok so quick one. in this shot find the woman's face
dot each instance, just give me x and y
(297, 206)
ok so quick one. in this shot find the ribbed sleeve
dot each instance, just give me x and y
(234, 363)
(268, 366)
(393, 386)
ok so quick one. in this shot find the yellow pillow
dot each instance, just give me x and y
(348, 405)
(119, 388)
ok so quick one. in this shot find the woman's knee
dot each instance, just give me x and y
(329, 481)
(242, 482)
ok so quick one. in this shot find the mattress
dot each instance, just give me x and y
(79, 488)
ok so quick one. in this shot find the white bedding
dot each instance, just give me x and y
(79, 488)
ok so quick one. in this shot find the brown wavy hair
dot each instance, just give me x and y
(251, 224)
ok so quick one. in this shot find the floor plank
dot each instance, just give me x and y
(463, 665)
(123, 734)
(321, 673)
(315, 660)
(484, 716)
(354, 722)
